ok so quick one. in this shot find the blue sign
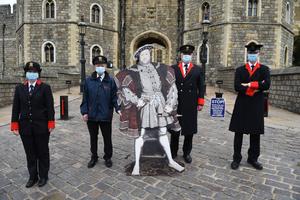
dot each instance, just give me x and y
(217, 107)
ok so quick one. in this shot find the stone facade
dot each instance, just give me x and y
(151, 22)
(63, 32)
(297, 18)
(285, 89)
(7, 19)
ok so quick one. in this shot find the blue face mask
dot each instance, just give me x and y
(32, 76)
(252, 57)
(100, 70)
(186, 58)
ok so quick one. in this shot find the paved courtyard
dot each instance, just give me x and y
(208, 177)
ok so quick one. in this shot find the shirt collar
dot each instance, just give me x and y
(29, 84)
(101, 77)
(250, 64)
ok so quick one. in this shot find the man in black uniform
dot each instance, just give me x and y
(99, 99)
(33, 120)
(250, 81)
(190, 86)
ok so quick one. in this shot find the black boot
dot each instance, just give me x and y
(255, 164)
(235, 165)
(108, 163)
(42, 182)
(31, 182)
(92, 162)
(187, 158)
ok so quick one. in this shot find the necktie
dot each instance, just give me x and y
(31, 90)
(186, 66)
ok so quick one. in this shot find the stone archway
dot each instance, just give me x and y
(162, 46)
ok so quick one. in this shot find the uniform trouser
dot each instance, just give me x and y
(253, 151)
(106, 133)
(36, 147)
(187, 144)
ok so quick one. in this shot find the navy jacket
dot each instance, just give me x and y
(99, 98)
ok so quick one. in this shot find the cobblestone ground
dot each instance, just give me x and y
(208, 177)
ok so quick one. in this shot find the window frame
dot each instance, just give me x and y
(100, 14)
(44, 53)
(91, 52)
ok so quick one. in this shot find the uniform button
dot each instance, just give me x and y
(30, 120)
(181, 83)
(30, 114)
(180, 90)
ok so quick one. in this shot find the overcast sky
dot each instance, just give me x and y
(8, 2)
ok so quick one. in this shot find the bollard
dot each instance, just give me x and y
(266, 104)
(219, 94)
(64, 110)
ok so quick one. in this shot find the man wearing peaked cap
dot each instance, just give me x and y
(190, 86)
(32, 66)
(187, 49)
(251, 79)
(99, 99)
(33, 119)
(98, 60)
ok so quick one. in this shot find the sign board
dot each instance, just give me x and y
(217, 107)
(68, 82)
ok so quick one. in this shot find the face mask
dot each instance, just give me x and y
(186, 58)
(100, 70)
(32, 76)
(252, 57)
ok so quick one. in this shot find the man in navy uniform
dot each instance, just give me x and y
(99, 99)
(250, 81)
(33, 120)
(190, 86)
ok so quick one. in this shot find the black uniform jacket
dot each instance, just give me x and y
(35, 111)
(190, 94)
(248, 112)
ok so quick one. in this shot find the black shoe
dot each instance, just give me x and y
(234, 165)
(187, 158)
(92, 162)
(108, 163)
(255, 164)
(42, 182)
(31, 182)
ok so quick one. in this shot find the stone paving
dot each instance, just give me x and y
(208, 177)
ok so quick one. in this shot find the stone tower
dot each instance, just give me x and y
(7, 39)
(152, 21)
(47, 31)
(236, 23)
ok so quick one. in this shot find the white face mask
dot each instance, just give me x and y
(32, 76)
(145, 57)
(100, 70)
(186, 58)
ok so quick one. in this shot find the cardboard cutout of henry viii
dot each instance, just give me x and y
(148, 97)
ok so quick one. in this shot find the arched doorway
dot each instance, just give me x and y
(162, 46)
